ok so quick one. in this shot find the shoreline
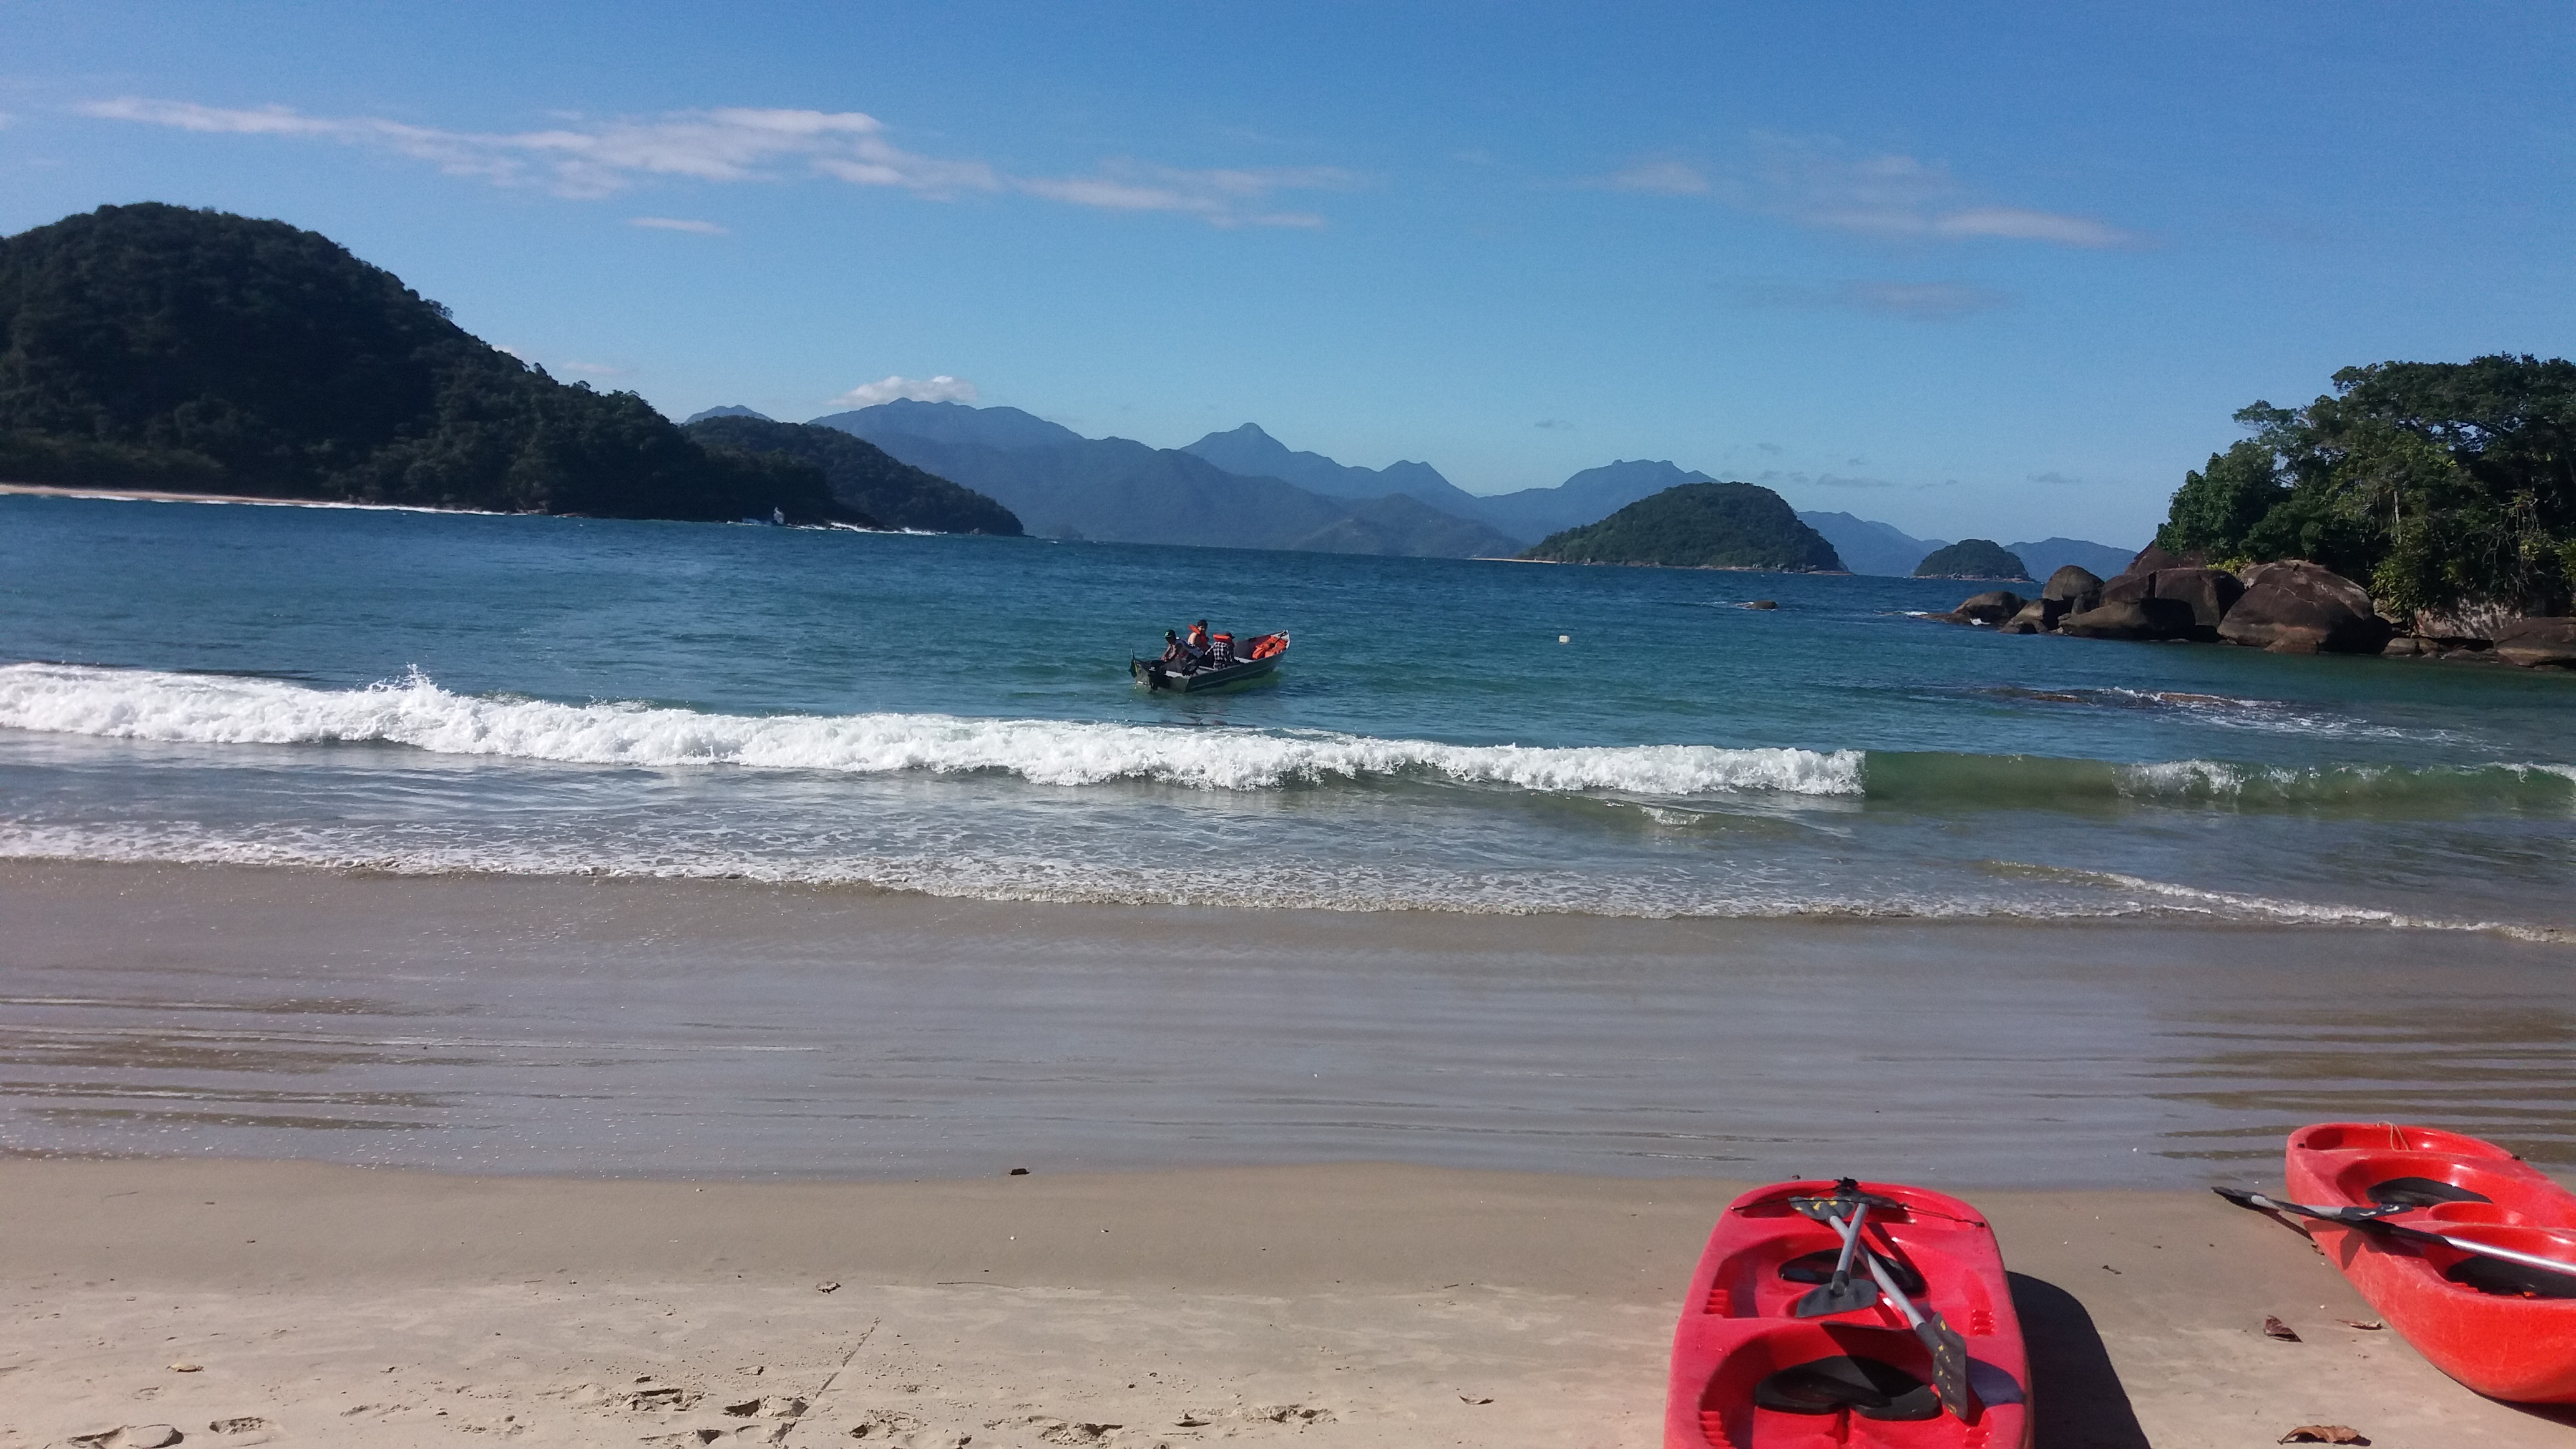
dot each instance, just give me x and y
(652, 1028)
(1358, 1305)
(159, 495)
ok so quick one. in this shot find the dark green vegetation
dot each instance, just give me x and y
(1699, 525)
(1971, 558)
(199, 351)
(861, 475)
(2441, 485)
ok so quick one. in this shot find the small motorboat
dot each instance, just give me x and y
(1258, 659)
(1905, 1339)
(2502, 1325)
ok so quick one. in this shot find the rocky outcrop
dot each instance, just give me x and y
(2296, 607)
(2074, 588)
(2538, 643)
(2143, 618)
(2210, 593)
(1993, 607)
(2039, 616)
(2151, 559)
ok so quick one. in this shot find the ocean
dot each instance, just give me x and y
(421, 692)
(687, 849)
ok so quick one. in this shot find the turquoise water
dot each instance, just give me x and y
(428, 692)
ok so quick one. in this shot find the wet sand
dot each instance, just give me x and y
(727, 1028)
(1323, 1305)
(1364, 1180)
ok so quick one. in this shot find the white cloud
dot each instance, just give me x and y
(1661, 178)
(1219, 197)
(674, 223)
(2020, 225)
(589, 159)
(1915, 301)
(1818, 182)
(599, 158)
(942, 388)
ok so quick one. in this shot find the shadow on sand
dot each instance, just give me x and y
(2077, 1394)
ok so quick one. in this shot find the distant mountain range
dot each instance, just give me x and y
(1869, 547)
(1242, 488)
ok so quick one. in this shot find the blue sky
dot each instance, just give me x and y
(1971, 269)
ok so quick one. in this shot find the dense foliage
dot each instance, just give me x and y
(862, 475)
(206, 352)
(2441, 485)
(1972, 558)
(1699, 525)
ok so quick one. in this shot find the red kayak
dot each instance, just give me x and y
(1750, 1373)
(2505, 1329)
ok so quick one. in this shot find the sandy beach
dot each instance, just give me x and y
(757, 1143)
(1327, 1305)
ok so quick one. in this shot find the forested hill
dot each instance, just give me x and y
(2443, 486)
(1699, 525)
(862, 475)
(153, 345)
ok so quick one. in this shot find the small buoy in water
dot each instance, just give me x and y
(1564, 638)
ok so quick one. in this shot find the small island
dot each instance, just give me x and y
(1699, 526)
(1973, 558)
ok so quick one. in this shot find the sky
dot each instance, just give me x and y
(1974, 270)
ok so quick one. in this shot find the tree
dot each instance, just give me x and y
(2443, 484)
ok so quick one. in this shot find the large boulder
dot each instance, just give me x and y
(2148, 618)
(2127, 588)
(2039, 616)
(2210, 592)
(2151, 559)
(2297, 607)
(2534, 643)
(2074, 588)
(1993, 607)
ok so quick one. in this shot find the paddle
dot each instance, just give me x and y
(1949, 1350)
(2376, 1219)
(1839, 1293)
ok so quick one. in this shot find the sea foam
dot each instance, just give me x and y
(224, 709)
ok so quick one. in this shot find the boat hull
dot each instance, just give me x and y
(1738, 1328)
(2514, 1348)
(1153, 676)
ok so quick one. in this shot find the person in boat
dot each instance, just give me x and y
(1197, 643)
(1176, 655)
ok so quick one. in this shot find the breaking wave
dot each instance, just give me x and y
(220, 709)
(416, 712)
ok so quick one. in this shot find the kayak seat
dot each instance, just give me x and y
(2419, 1192)
(1865, 1386)
(2498, 1278)
(1818, 1267)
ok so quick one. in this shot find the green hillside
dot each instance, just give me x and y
(200, 351)
(1971, 558)
(2440, 485)
(862, 476)
(1699, 525)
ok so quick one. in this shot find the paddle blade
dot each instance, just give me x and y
(1949, 1366)
(1840, 1296)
